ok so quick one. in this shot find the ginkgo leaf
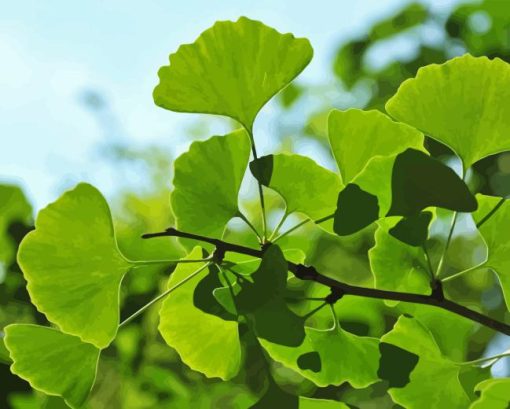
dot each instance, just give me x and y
(496, 232)
(14, 207)
(463, 103)
(52, 362)
(305, 186)
(419, 181)
(205, 342)
(339, 357)
(356, 209)
(207, 181)
(308, 403)
(434, 382)
(232, 69)
(264, 304)
(413, 230)
(397, 266)
(356, 136)
(494, 394)
(73, 267)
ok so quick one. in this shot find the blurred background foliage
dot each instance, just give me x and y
(139, 370)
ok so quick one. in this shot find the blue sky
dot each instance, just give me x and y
(51, 51)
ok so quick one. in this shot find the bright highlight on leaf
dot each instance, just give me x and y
(305, 186)
(207, 181)
(53, 362)
(357, 136)
(205, 342)
(73, 266)
(232, 69)
(464, 103)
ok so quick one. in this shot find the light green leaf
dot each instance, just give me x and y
(434, 382)
(330, 357)
(14, 207)
(207, 181)
(397, 266)
(356, 136)
(307, 403)
(205, 342)
(305, 186)
(232, 69)
(73, 266)
(494, 394)
(496, 233)
(464, 103)
(53, 362)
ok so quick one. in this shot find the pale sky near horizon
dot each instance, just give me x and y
(51, 51)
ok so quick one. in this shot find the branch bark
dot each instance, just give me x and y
(311, 274)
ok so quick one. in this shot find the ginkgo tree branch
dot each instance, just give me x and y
(338, 288)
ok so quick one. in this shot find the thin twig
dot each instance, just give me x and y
(491, 213)
(309, 273)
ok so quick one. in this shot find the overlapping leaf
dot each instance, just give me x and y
(494, 394)
(435, 380)
(305, 186)
(464, 103)
(207, 181)
(232, 69)
(496, 233)
(53, 362)
(73, 266)
(205, 342)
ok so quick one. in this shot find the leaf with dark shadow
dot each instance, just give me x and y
(413, 230)
(356, 209)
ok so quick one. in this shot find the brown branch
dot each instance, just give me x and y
(340, 288)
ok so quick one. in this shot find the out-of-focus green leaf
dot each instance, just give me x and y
(496, 233)
(494, 394)
(331, 357)
(232, 69)
(434, 382)
(207, 181)
(73, 266)
(356, 209)
(53, 362)
(264, 304)
(205, 342)
(419, 181)
(357, 136)
(305, 186)
(409, 16)
(464, 103)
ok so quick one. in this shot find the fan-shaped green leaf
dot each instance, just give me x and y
(205, 342)
(264, 304)
(73, 266)
(494, 394)
(207, 181)
(356, 209)
(496, 233)
(413, 230)
(397, 266)
(341, 357)
(434, 382)
(305, 186)
(232, 69)
(419, 181)
(53, 362)
(464, 103)
(357, 136)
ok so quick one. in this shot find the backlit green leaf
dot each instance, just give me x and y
(305, 186)
(464, 103)
(205, 342)
(207, 181)
(357, 136)
(53, 362)
(419, 181)
(331, 357)
(496, 233)
(73, 267)
(232, 69)
(434, 382)
(494, 394)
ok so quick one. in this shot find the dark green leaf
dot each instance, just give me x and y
(413, 230)
(355, 210)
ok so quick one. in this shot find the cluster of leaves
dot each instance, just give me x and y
(231, 316)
